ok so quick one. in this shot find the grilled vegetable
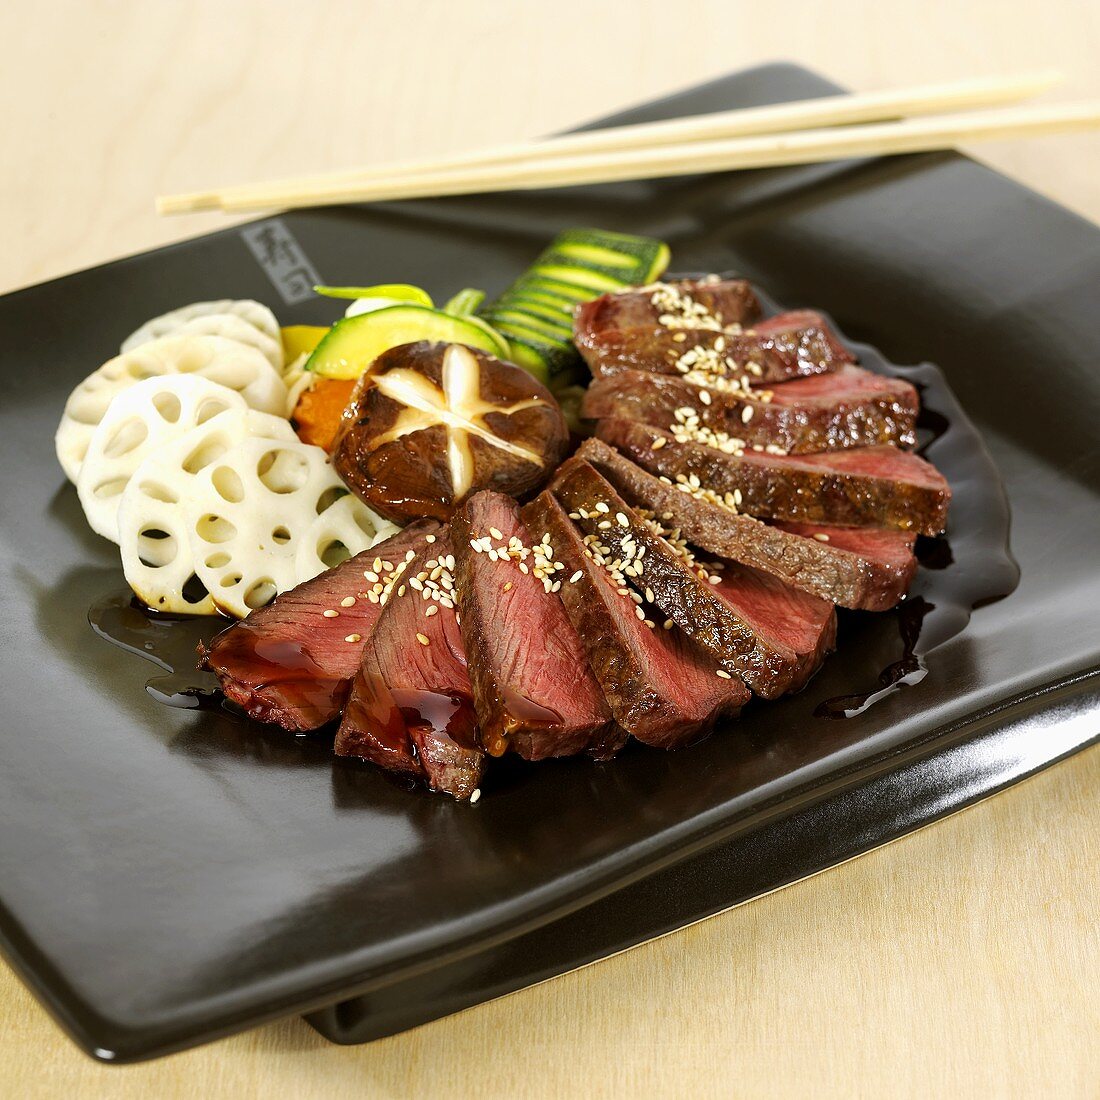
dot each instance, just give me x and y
(535, 314)
(355, 342)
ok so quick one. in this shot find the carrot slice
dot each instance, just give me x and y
(319, 409)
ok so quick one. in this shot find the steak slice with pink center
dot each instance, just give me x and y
(786, 346)
(873, 486)
(659, 686)
(725, 301)
(668, 578)
(532, 687)
(411, 707)
(848, 408)
(780, 614)
(291, 663)
(869, 573)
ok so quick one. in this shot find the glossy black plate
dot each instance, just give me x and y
(167, 876)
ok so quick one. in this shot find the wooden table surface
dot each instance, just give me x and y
(961, 961)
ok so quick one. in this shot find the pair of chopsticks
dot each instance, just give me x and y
(807, 131)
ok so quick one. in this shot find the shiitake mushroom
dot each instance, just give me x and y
(430, 423)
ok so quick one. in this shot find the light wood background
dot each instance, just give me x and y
(962, 961)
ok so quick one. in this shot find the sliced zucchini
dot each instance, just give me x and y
(567, 291)
(536, 308)
(355, 342)
(584, 279)
(535, 313)
(530, 294)
(557, 329)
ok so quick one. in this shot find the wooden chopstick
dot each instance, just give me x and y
(834, 110)
(799, 147)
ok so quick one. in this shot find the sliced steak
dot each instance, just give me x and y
(660, 688)
(869, 574)
(782, 615)
(411, 707)
(532, 687)
(291, 663)
(892, 550)
(876, 486)
(789, 345)
(669, 579)
(847, 408)
(713, 303)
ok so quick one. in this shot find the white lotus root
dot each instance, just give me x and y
(227, 362)
(232, 327)
(345, 528)
(254, 313)
(155, 511)
(138, 422)
(251, 511)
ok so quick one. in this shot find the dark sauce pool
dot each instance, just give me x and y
(969, 567)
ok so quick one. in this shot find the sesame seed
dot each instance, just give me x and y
(475, 796)
(576, 576)
(723, 673)
(370, 575)
(430, 539)
(496, 533)
(401, 591)
(330, 614)
(354, 638)
(821, 537)
(432, 610)
(649, 594)
(746, 414)
(422, 639)
(508, 587)
(348, 601)
(621, 520)
(658, 443)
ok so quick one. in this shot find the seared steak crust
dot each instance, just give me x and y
(768, 669)
(289, 663)
(410, 709)
(873, 486)
(847, 408)
(728, 301)
(871, 581)
(533, 689)
(789, 345)
(660, 688)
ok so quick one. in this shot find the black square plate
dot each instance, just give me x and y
(168, 876)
